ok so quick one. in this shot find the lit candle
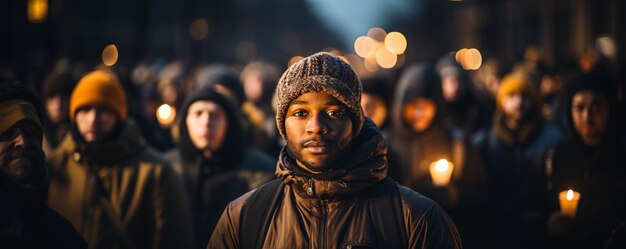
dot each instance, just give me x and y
(440, 172)
(569, 202)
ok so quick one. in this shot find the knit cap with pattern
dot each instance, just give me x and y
(325, 73)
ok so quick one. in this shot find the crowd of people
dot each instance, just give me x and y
(516, 135)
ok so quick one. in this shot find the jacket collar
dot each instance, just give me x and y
(366, 166)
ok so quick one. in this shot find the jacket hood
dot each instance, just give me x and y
(599, 83)
(232, 146)
(366, 166)
(124, 144)
(417, 81)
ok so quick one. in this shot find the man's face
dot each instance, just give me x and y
(207, 124)
(374, 107)
(318, 130)
(419, 113)
(95, 123)
(590, 115)
(56, 108)
(20, 151)
(516, 106)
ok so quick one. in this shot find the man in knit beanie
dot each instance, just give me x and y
(116, 190)
(333, 190)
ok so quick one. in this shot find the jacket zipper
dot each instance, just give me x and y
(322, 227)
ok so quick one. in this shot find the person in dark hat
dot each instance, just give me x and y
(26, 221)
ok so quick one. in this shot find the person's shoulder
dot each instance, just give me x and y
(59, 232)
(416, 203)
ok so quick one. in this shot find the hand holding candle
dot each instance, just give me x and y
(569, 202)
(440, 172)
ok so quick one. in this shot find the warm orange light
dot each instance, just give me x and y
(473, 59)
(109, 55)
(441, 172)
(569, 202)
(166, 115)
(37, 10)
(386, 59)
(364, 45)
(199, 29)
(371, 64)
(395, 42)
(294, 59)
(377, 33)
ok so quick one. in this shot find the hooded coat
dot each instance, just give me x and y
(335, 214)
(230, 172)
(142, 190)
(598, 172)
(412, 152)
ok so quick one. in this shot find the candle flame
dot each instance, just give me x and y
(166, 114)
(570, 195)
(442, 165)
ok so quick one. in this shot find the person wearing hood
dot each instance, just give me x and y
(589, 160)
(26, 221)
(331, 172)
(510, 150)
(115, 189)
(420, 138)
(216, 165)
(56, 95)
(375, 101)
(462, 110)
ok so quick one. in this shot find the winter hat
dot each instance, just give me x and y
(324, 73)
(99, 88)
(518, 82)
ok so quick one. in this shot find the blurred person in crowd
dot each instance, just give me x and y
(216, 165)
(419, 138)
(589, 160)
(116, 190)
(332, 171)
(56, 96)
(550, 88)
(462, 112)
(510, 148)
(488, 80)
(375, 101)
(26, 221)
(224, 80)
(259, 81)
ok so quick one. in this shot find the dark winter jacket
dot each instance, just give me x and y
(598, 172)
(334, 212)
(211, 183)
(123, 178)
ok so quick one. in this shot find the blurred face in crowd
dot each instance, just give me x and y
(207, 125)
(374, 107)
(451, 88)
(419, 113)
(492, 84)
(550, 85)
(515, 108)
(56, 108)
(20, 151)
(318, 130)
(253, 86)
(95, 123)
(590, 115)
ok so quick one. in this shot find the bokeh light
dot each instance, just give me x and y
(385, 58)
(166, 115)
(606, 46)
(37, 10)
(395, 42)
(469, 59)
(364, 45)
(109, 55)
(199, 29)
(294, 59)
(377, 34)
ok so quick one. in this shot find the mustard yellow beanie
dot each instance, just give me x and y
(99, 88)
(517, 82)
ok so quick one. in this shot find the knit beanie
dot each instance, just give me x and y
(518, 82)
(324, 73)
(99, 88)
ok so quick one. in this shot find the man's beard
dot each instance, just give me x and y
(343, 149)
